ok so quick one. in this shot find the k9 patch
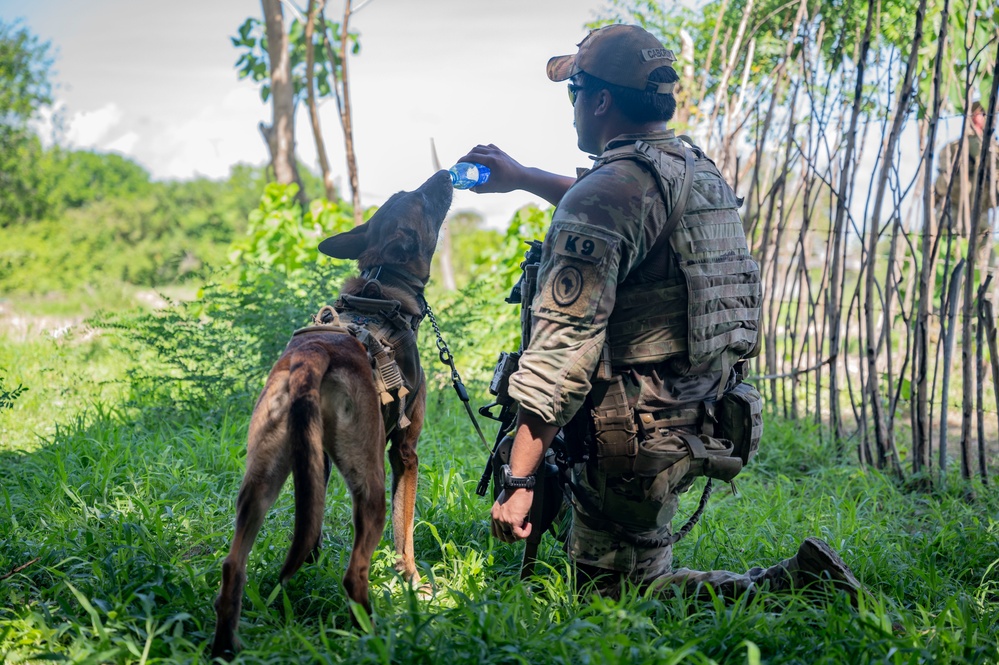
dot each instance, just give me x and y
(580, 246)
(583, 263)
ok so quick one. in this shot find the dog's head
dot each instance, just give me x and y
(402, 233)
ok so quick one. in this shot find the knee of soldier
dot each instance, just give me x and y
(591, 579)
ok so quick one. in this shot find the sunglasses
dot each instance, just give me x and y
(573, 91)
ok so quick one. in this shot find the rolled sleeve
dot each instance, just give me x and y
(554, 375)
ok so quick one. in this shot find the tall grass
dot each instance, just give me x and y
(117, 507)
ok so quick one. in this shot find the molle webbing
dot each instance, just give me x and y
(648, 325)
(711, 314)
(615, 428)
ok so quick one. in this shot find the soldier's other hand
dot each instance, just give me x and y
(509, 515)
(505, 173)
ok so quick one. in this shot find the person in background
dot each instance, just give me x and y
(962, 191)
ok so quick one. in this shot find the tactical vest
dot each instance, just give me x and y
(696, 297)
(711, 311)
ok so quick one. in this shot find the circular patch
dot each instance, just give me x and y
(567, 286)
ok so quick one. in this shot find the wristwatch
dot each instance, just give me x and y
(510, 481)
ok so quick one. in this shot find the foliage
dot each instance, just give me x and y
(254, 63)
(7, 397)
(842, 23)
(281, 238)
(118, 520)
(74, 178)
(24, 89)
(476, 323)
(219, 347)
(116, 226)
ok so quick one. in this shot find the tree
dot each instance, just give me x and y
(24, 90)
(317, 51)
(280, 134)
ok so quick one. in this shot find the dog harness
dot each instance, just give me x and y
(388, 335)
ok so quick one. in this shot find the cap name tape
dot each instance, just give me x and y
(658, 54)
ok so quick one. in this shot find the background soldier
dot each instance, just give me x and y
(962, 191)
(614, 356)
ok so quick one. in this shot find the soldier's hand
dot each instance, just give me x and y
(510, 513)
(505, 173)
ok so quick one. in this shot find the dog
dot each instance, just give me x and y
(323, 401)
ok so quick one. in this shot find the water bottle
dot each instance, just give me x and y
(467, 174)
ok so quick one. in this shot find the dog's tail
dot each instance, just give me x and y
(305, 435)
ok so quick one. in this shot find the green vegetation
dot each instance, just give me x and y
(122, 445)
(120, 466)
(119, 470)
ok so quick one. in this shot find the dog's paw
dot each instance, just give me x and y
(424, 591)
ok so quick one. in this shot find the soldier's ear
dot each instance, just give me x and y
(346, 245)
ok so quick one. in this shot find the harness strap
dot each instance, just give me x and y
(676, 214)
(385, 370)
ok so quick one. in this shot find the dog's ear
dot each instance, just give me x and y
(403, 246)
(346, 245)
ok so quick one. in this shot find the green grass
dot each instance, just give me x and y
(121, 494)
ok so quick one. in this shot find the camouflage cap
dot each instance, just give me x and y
(624, 55)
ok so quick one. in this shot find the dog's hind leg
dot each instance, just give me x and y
(405, 469)
(357, 445)
(267, 467)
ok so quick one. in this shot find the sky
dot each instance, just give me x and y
(156, 81)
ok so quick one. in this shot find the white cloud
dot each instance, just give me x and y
(89, 129)
(210, 142)
(125, 144)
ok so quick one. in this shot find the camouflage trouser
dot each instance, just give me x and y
(644, 508)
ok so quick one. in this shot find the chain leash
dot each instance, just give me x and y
(444, 353)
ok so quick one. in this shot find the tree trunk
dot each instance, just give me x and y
(341, 94)
(921, 437)
(315, 12)
(982, 176)
(988, 322)
(346, 120)
(948, 353)
(280, 134)
(842, 203)
(884, 438)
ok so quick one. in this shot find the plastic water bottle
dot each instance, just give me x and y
(467, 174)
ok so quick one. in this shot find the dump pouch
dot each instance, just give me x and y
(740, 419)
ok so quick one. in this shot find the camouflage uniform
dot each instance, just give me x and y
(959, 193)
(597, 249)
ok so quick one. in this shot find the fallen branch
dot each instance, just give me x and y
(18, 569)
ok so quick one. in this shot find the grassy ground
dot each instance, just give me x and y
(116, 506)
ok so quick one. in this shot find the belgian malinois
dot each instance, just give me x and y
(321, 403)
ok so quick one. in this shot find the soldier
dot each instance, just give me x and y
(964, 174)
(647, 299)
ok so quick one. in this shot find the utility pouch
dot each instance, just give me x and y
(740, 419)
(615, 428)
(506, 365)
(709, 456)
